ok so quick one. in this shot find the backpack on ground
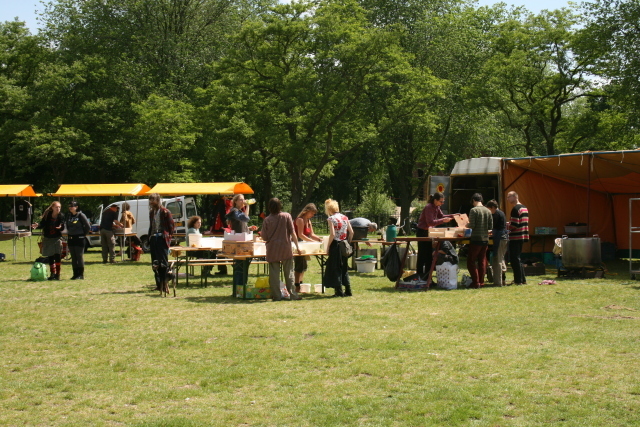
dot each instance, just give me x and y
(38, 271)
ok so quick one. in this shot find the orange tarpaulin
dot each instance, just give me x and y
(591, 187)
(17, 190)
(218, 188)
(77, 190)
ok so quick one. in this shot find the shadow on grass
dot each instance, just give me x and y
(228, 299)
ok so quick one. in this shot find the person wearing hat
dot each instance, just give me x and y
(78, 227)
(108, 222)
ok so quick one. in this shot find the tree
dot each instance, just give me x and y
(533, 76)
(611, 41)
(20, 56)
(164, 133)
(294, 88)
(421, 130)
(610, 44)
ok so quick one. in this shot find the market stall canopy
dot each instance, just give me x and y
(219, 188)
(593, 188)
(17, 190)
(71, 190)
(611, 172)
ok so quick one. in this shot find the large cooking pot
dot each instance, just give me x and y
(581, 252)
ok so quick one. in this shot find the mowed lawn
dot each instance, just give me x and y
(109, 351)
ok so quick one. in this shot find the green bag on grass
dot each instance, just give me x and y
(38, 271)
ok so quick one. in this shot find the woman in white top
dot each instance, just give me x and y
(336, 274)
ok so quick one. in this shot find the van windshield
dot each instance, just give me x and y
(95, 216)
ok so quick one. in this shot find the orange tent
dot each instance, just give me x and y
(590, 187)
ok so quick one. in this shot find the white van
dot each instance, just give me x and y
(182, 208)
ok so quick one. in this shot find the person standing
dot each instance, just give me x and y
(518, 235)
(500, 237)
(480, 222)
(431, 216)
(238, 220)
(51, 224)
(336, 274)
(161, 229)
(221, 208)
(127, 220)
(78, 227)
(304, 230)
(108, 222)
(278, 233)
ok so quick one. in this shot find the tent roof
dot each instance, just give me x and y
(613, 172)
(17, 190)
(220, 188)
(101, 190)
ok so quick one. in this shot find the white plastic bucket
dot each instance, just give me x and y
(305, 288)
(317, 288)
(366, 266)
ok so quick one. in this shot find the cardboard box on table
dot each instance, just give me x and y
(127, 230)
(232, 247)
(461, 221)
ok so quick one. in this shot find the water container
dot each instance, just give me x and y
(305, 288)
(392, 233)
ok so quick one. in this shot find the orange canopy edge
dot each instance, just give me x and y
(72, 190)
(218, 188)
(17, 190)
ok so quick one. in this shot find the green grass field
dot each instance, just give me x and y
(109, 351)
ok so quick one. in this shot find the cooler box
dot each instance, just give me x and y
(195, 240)
(259, 249)
(211, 242)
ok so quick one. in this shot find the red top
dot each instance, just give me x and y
(431, 216)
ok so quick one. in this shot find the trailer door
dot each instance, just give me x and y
(439, 184)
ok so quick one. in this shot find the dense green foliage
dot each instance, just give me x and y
(308, 99)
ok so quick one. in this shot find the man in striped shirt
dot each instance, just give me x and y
(518, 234)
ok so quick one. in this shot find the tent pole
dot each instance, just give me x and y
(589, 163)
(15, 229)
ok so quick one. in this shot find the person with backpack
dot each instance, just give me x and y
(51, 224)
(336, 274)
(78, 227)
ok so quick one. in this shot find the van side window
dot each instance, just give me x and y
(175, 208)
(191, 209)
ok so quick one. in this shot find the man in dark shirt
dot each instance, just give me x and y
(500, 239)
(108, 222)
